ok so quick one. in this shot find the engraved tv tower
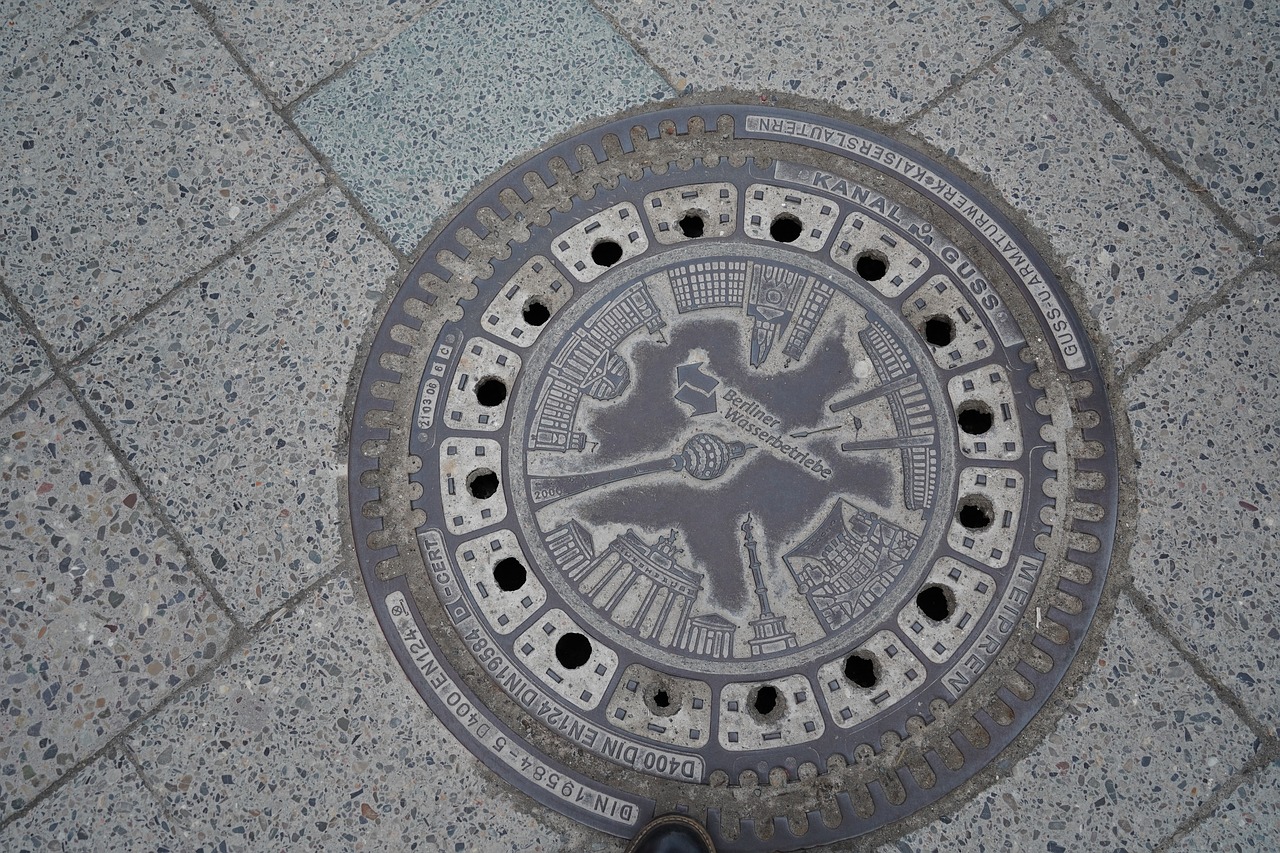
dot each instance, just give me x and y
(770, 631)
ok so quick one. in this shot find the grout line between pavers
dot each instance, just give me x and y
(964, 79)
(1062, 6)
(388, 37)
(28, 395)
(1028, 31)
(1063, 49)
(1019, 16)
(640, 49)
(1251, 769)
(285, 114)
(153, 502)
(78, 24)
(237, 248)
(1008, 5)
(1269, 742)
(1198, 311)
(62, 374)
(237, 640)
(10, 299)
(123, 749)
(1045, 33)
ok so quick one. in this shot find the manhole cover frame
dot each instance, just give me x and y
(808, 805)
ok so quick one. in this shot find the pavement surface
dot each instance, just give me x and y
(203, 205)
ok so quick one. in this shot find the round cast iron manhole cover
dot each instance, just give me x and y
(735, 461)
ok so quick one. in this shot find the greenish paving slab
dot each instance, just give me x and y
(132, 153)
(291, 46)
(1248, 820)
(1140, 245)
(105, 809)
(27, 26)
(1200, 78)
(415, 125)
(880, 59)
(1204, 416)
(22, 362)
(1138, 748)
(101, 617)
(228, 399)
(312, 738)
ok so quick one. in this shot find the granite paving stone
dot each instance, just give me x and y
(1199, 78)
(1139, 747)
(228, 399)
(1204, 416)
(1139, 244)
(416, 124)
(22, 362)
(101, 616)
(883, 60)
(312, 738)
(134, 153)
(1248, 820)
(105, 808)
(292, 46)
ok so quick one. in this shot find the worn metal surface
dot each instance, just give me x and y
(733, 460)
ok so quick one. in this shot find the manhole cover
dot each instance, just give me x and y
(737, 461)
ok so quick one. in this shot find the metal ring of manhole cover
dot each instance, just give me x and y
(736, 461)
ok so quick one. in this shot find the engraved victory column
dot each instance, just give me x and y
(771, 634)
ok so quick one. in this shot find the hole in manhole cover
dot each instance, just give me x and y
(732, 447)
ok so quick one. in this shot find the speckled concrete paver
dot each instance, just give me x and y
(27, 26)
(1134, 239)
(884, 60)
(1082, 790)
(311, 737)
(292, 46)
(23, 365)
(1199, 77)
(101, 616)
(261, 348)
(205, 293)
(1248, 820)
(1208, 546)
(1034, 10)
(106, 808)
(134, 153)
(417, 124)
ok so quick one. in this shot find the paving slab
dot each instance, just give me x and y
(292, 46)
(1034, 10)
(1139, 747)
(1248, 820)
(311, 737)
(1198, 77)
(105, 808)
(1203, 416)
(1139, 244)
(883, 60)
(135, 152)
(27, 26)
(418, 123)
(228, 400)
(22, 362)
(102, 618)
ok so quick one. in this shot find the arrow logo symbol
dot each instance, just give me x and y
(696, 389)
